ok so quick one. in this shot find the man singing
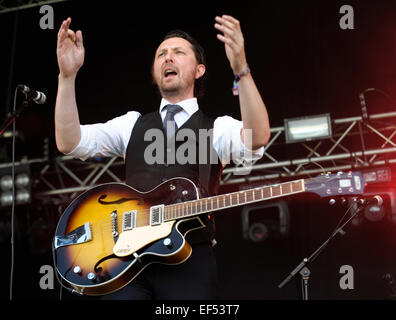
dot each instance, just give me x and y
(177, 70)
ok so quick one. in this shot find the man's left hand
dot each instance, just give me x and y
(232, 38)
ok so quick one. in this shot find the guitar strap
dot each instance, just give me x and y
(208, 183)
(205, 169)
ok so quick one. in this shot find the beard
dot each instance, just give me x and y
(178, 85)
(174, 88)
(169, 89)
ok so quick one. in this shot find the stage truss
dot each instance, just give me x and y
(17, 5)
(355, 145)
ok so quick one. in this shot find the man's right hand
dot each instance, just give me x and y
(70, 50)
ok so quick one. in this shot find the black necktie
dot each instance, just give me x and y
(170, 125)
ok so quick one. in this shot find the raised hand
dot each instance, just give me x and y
(233, 40)
(70, 50)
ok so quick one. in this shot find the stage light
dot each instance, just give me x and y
(22, 180)
(258, 232)
(22, 185)
(22, 196)
(6, 199)
(6, 183)
(270, 220)
(308, 128)
(374, 212)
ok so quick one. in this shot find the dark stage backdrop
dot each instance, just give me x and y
(303, 64)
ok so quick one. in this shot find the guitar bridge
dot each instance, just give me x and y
(156, 214)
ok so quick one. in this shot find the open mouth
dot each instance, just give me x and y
(169, 73)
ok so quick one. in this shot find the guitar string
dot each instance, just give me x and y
(107, 222)
(186, 204)
(233, 196)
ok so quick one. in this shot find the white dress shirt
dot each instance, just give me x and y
(111, 138)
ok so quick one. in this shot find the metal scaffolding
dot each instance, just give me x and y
(355, 145)
(17, 5)
(64, 178)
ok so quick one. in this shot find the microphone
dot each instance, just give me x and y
(33, 94)
(376, 200)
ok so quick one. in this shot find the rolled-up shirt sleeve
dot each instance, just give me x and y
(228, 143)
(109, 139)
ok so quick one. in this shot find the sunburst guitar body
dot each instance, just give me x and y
(105, 238)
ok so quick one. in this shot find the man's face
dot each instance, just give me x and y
(175, 68)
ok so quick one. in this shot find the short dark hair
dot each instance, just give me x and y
(199, 56)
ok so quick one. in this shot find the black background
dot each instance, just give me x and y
(303, 64)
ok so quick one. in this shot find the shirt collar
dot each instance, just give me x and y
(189, 105)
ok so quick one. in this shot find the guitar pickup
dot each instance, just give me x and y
(80, 235)
(129, 220)
(156, 214)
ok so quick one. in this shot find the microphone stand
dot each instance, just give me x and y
(11, 117)
(302, 268)
(8, 121)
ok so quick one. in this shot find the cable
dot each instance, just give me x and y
(54, 260)
(13, 201)
(380, 91)
(71, 290)
(13, 145)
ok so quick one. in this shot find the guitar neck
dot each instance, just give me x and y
(228, 200)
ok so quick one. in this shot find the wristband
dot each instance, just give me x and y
(235, 88)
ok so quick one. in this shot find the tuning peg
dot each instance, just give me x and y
(332, 201)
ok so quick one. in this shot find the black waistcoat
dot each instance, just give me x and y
(144, 177)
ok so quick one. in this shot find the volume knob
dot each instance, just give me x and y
(77, 269)
(168, 243)
(91, 276)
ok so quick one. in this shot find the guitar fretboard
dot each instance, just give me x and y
(220, 202)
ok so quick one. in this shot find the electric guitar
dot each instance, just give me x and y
(111, 232)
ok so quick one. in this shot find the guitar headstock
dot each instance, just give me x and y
(336, 184)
